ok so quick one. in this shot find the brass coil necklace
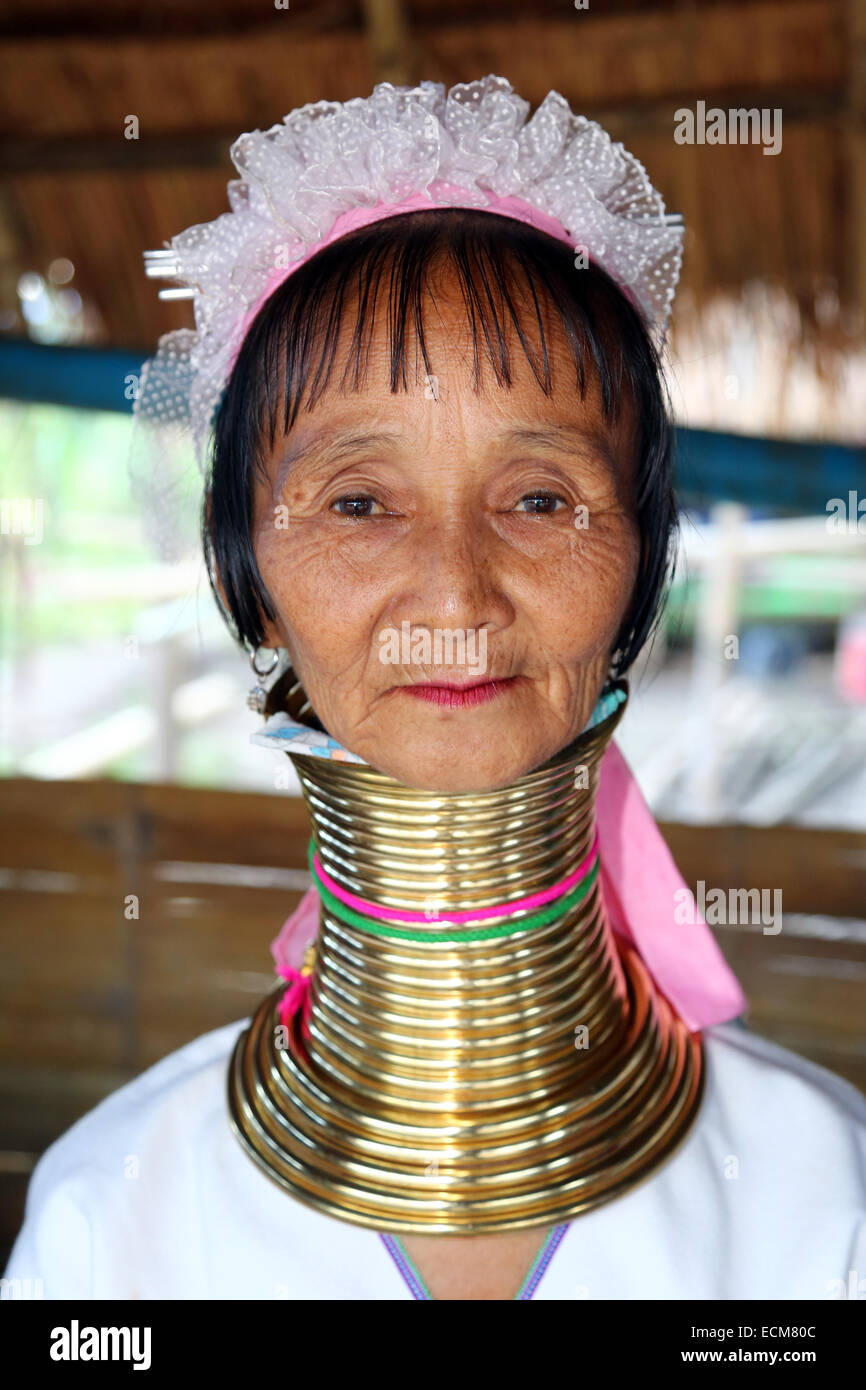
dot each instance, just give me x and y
(466, 1080)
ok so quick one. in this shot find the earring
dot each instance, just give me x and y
(258, 695)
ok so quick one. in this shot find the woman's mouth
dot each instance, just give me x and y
(460, 695)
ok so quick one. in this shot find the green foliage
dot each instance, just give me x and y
(75, 463)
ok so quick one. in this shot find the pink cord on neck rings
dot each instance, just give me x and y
(299, 994)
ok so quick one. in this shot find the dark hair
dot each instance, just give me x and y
(291, 344)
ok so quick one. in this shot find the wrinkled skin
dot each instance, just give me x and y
(452, 535)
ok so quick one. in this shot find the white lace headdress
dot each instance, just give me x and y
(329, 167)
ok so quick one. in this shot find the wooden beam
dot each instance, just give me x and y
(820, 871)
(71, 155)
(598, 62)
(855, 139)
(210, 149)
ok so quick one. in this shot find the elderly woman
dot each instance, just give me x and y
(439, 513)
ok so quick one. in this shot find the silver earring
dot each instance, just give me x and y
(257, 697)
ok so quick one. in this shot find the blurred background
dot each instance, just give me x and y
(150, 852)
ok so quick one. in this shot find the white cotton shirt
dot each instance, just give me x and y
(150, 1195)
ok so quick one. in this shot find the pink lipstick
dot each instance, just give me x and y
(460, 696)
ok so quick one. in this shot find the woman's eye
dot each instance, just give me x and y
(541, 503)
(361, 505)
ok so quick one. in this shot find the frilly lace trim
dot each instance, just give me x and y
(327, 158)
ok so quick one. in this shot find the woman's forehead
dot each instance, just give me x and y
(454, 358)
(455, 387)
(446, 362)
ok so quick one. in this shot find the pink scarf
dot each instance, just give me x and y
(642, 890)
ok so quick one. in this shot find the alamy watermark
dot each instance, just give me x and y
(77, 1343)
(854, 1288)
(737, 126)
(737, 906)
(850, 517)
(464, 648)
(22, 516)
(21, 1289)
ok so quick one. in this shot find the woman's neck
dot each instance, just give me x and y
(459, 1076)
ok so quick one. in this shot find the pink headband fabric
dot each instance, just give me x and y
(438, 196)
(642, 888)
(329, 168)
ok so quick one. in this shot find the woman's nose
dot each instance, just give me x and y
(453, 578)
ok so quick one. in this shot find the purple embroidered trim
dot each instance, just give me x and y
(418, 1289)
(536, 1274)
(410, 1278)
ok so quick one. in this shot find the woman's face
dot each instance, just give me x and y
(449, 569)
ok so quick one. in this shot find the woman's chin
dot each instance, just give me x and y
(467, 764)
(450, 778)
(438, 748)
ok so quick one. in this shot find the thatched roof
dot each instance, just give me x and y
(196, 76)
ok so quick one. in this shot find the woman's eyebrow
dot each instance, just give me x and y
(330, 445)
(572, 438)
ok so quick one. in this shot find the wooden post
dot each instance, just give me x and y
(856, 152)
(716, 625)
(387, 34)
